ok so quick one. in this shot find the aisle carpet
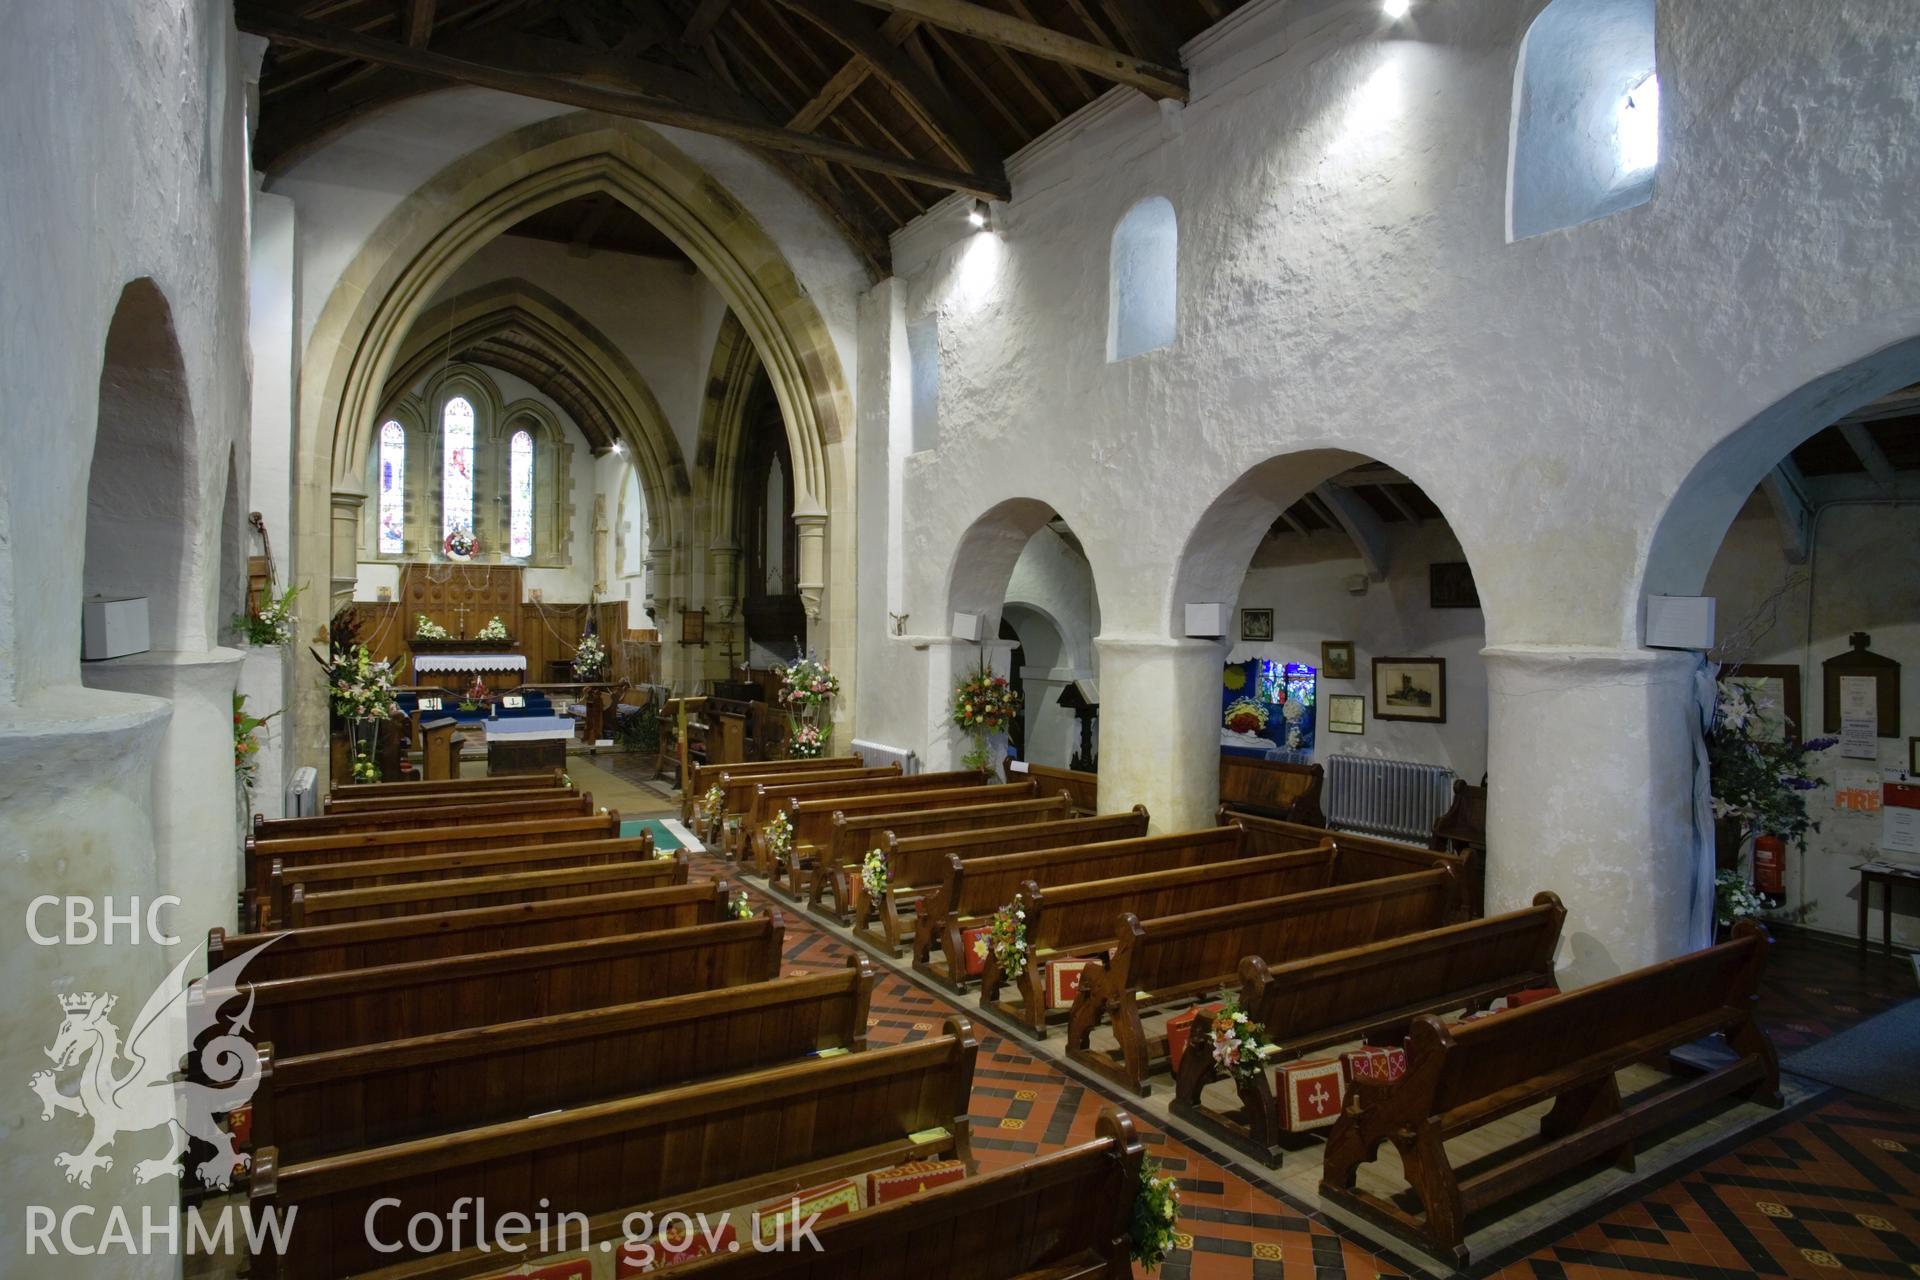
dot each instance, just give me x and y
(1879, 1058)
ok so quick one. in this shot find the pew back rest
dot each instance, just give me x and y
(365, 872)
(365, 1006)
(443, 838)
(1330, 989)
(420, 787)
(813, 819)
(707, 775)
(743, 794)
(1068, 915)
(426, 897)
(1274, 788)
(640, 1150)
(856, 832)
(1211, 946)
(351, 803)
(398, 1089)
(769, 798)
(1494, 1056)
(292, 953)
(922, 860)
(1081, 788)
(979, 885)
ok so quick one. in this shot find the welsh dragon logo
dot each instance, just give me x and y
(149, 1093)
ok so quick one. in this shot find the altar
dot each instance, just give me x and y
(499, 666)
(529, 744)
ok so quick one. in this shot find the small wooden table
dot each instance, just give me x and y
(1887, 875)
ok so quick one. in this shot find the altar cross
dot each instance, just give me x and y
(461, 611)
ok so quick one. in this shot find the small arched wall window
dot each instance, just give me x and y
(1143, 280)
(456, 466)
(1586, 115)
(520, 495)
(393, 489)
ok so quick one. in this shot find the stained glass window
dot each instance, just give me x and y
(520, 495)
(393, 490)
(456, 466)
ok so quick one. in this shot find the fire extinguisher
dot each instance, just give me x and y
(1770, 869)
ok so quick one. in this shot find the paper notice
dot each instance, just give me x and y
(1856, 791)
(1900, 815)
(1859, 717)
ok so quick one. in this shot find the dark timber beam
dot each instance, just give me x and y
(1008, 32)
(416, 22)
(285, 30)
(705, 18)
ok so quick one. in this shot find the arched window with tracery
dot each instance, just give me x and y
(520, 495)
(456, 466)
(393, 489)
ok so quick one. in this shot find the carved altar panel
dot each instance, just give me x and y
(462, 597)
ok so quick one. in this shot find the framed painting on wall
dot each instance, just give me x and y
(1256, 624)
(1410, 689)
(1346, 713)
(1336, 659)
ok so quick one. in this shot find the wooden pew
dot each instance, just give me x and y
(704, 1147)
(1462, 830)
(792, 876)
(1060, 1216)
(293, 953)
(917, 865)
(1082, 788)
(973, 888)
(308, 908)
(1157, 960)
(351, 804)
(438, 785)
(1379, 857)
(1273, 789)
(742, 796)
(312, 1105)
(308, 851)
(1565, 1050)
(424, 997)
(853, 835)
(703, 776)
(368, 873)
(771, 798)
(1373, 990)
(1077, 920)
(438, 811)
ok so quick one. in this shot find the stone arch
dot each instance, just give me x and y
(235, 536)
(141, 516)
(606, 372)
(1695, 520)
(983, 559)
(723, 419)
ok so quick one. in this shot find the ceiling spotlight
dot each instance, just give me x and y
(980, 215)
(618, 447)
(1396, 9)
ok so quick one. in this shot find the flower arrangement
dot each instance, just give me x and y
(364, 769)
(1293, 711)
(874, 876)
(740, 906)
(425, 628)
(246, 747)
(1156, 1210)
(779, 833)
(271, 622)
(712, 805)
(360, 688)
(809, 741)
(1238, 1042)
(1244, 715)
(984, 704)
(1734, 899)
(589, 659)
(806, 682)
(1760, 783)
(1006, 938)
(494, 630)
(461, 544)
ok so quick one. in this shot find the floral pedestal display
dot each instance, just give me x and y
(361, 692)
(589, 659)
(1760, 783)
(363, 749)
(807, 690)
(984, 706)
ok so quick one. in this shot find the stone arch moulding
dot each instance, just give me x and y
(1695, 520)
(983, 559)
(365, 320)
(609, 376)
(142, 518)
(723, 420)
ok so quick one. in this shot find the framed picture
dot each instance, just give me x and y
(1777, 690)
(1336, 659)
(1346, 713)
(1913, 756)
(1256, 624)
(1450, 586)
(693, 626)
(1410, 689)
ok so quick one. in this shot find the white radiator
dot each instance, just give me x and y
(1397, 798)
(878, 755)
(302, 802)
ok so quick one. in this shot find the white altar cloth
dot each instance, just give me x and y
(474, 662)
(529, 729)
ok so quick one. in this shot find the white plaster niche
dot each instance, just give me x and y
(1585, 135)
(923, 355)
(1143, 280)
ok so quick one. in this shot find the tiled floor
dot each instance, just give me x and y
(1830, 1190)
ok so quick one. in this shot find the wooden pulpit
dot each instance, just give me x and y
(440, 748)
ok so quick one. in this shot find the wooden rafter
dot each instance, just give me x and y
(416, 22)
(503, 76)
(1087, 92)
(980, 86)
(706, 16)
(1009, 32)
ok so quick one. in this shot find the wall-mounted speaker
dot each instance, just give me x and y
(966, 626)
(1207, 621)
(113, 628)
(1680, 622)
